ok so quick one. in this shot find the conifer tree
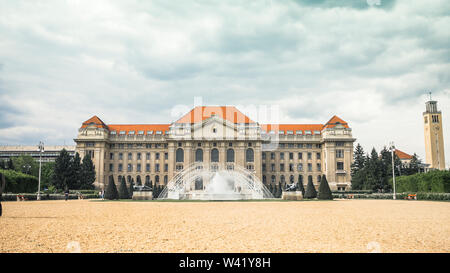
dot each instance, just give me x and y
(130, 192)
(324, 189)
(75, 173)
(310, 189)
(111, 192)
(123, 191)
(62, 171)
(87, 173)
(301, 188)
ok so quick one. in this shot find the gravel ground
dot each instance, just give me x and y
(310, 226)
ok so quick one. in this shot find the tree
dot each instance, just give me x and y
(130, 193)
(123, 191)
(9, 164)
(62, 171)
(414, 165)
(310, 189)
(301, 188)
(324, 189)
(47, 172)
(111, 192)
(358, 168)
(2, 188)
(2, 164)
(87, 173)
(76, 175)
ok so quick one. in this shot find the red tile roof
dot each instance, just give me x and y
(200, 113)
(402, 155)
(335, 120)
(94, 121)
(146, 128)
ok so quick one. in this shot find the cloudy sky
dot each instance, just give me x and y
(371, 62)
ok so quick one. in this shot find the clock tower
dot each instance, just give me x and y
(434, 138)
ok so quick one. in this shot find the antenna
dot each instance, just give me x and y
(430, 95)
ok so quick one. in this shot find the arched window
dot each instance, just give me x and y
(300, 178)
(180, 155)
(249, 155)
(147, 181)
(129, 179)
(291, 179)
(264, 179)
(319, 178)
(199, 155)
(198, 183)
(273, 179)
(282, 180)
(138, 180)
(230, 155)
(214, 155)
(165, 179)
(157, 180)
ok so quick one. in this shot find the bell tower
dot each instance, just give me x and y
(434, 138)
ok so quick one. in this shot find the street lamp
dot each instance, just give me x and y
(41, 150)
(392, 148)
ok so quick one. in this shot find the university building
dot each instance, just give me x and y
(220, 137)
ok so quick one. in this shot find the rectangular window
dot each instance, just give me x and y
(130, 146)
(272, 167)
(263, 167)
(291, 156)
(157, 156)
(309, 167)
(309, 146)
(120, 167)
(130, 168)
(120, 156)
(318, 155)
(339, 153)
(147, 167)
(340, 143)
(147, 156)
(319, 167)
(166, 167)
(281, 156)
(138, 167)
(130, 156)
(340, 166)
(148, 146)
(300, 167)
(300, 156)
(281, 167)
(309, 155)
(272, 155)
(300, 145)
(308, 133)
(166, 156)
(111, 167)
(291, 167)
(111, 156)
(263, 156)
(298, 132)
(138, 156)
(156, 167)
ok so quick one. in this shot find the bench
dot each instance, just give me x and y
(21, 198)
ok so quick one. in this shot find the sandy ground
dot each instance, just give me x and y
(310, 226)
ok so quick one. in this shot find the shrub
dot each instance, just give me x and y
(433, 181)
(324, 189)
(123, 191)
(111, 192)
(310, 190)
(19, 182)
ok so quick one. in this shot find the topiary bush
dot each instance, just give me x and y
(111, 192)
(324, 189)
(310, 190)
(123, 191)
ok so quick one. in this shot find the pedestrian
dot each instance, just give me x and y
(66, 194)
(103, 194)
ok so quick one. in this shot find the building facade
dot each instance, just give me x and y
(49, 154)
(220, 136)
(434, 137)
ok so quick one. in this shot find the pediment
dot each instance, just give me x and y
(214, 127)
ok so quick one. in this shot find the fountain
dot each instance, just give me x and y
(212, 182)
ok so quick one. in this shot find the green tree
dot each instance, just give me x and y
(76, 175)
(324, 189)
(414, 165)
(26, 164)
(111, 192)
(2, 164)
(123, 191)
(87, 173)
(9, 164)
(130, 192)
(358, 171)
(47, 172)
(301, 188)
(62, 171)
(310, 189)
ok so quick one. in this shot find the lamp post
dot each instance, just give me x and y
(392, 147)
(41, 150)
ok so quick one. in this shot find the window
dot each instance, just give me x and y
(230, 144)
(111, 167)
(166, 156)
(282, 180)
(291, 179)
(149, 132)
(157, 156)
(166, 179)
(130, 168)
(138, 167)
(249, 155)
(180, 144)
(111, 156)
(199, 144)
(214, 155)
(308, 133)
(166, 167)
(157, 167)
(319, 178)
(230, 155)
(147, 156)
(300, 156)
(426, 119)
(120, 167)
(131, 132)
(309, 167)
(309, 146)
(300, 145)
(300, 178)
(300, 167)
(272, 167)
(130, 156)
(317, 132)
(281, 156)
(290, 132)
(272, 155)
(157, 179)
(339, 153)
(263, 167)
(263, 156)
(130, 146)
(317, 155)
(291, 156)
(140, 132)
(309, 155)
(138, 156)
(435, 118)
(264, 179)
(147, 167)
(298, 132)
(199, 155)
(179, 155)
(148, 146)
(281, 167)
(250, 167)
(273, 179)
(340, 166)
(291, 145)
(291, 167)
(319, 167)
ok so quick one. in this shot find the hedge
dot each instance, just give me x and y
(403, 195)
(19, 182)
(433, 181)
(33, 196)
